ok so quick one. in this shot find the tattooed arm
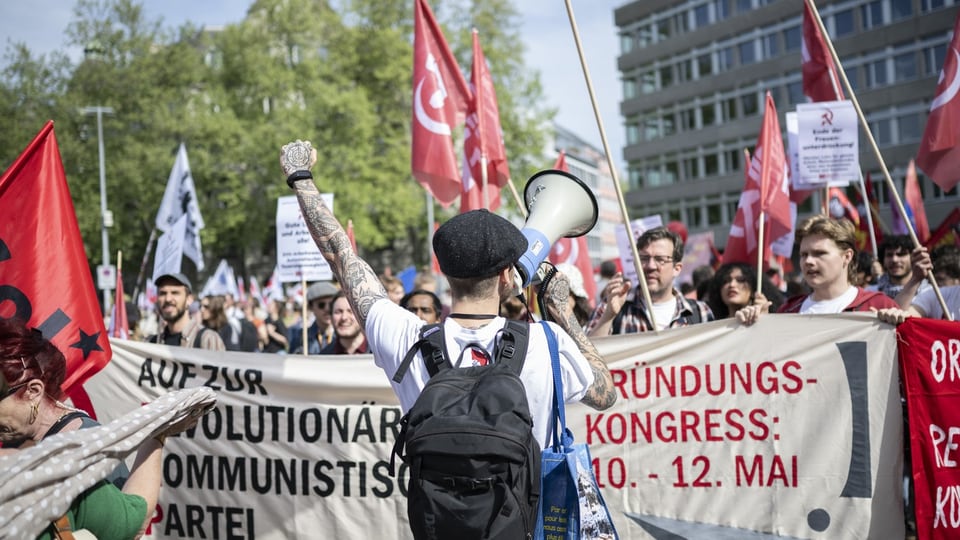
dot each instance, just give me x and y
(356, 278)
(601, 394)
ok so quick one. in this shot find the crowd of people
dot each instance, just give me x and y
(832, 278)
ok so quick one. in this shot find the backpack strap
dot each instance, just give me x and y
(512, 346)
(63, 421)
(432, 348)
(197, 338)
(62, 529)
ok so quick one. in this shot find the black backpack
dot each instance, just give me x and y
(468, 441)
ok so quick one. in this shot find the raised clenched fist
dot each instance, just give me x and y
(297, 156)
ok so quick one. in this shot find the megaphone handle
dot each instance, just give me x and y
(545, 277)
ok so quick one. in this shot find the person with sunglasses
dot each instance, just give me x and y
(32, 369)
(321, 333)
(734, 287)
(661, 253)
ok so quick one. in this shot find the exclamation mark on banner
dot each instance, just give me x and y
(859, 483)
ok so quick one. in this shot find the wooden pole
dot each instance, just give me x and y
(613, 169)
(876, 150)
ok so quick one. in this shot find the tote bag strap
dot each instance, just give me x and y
(560, 421)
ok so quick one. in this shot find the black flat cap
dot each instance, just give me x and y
(477, 244)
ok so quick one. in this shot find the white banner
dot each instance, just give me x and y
(298, 256)
(789, 429)
(828, 143)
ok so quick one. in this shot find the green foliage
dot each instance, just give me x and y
(291, 69)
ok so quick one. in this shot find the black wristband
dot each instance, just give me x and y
(298, 175)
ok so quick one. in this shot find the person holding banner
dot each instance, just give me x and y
(661, 252)
(944, 262)
(733, 288)
(827, 260)
(895, 255)
(477, 251)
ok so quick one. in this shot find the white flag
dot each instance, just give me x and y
(169, 254)
(180, 198)
(223, 281)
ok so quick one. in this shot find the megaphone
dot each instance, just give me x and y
(559, 205)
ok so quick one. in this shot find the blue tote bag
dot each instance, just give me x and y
(571, 505)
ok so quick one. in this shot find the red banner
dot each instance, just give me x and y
(44, 275)
(930, 366)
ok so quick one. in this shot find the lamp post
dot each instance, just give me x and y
(106, 217)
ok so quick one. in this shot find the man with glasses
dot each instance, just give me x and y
(661, 253)
(320, 333)
(174, 297)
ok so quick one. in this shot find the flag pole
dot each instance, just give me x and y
(303, 315)
(516, 197)
(613, 169)
(760, 251)
(143, 263)
(876, 150)
(869, 209)
(483, 181)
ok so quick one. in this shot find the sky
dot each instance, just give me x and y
(544, 25)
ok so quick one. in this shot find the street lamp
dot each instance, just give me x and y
(106, 217)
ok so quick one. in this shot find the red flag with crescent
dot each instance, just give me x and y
(939, 153)
(44, 275)
(440, 99)
(574, 250)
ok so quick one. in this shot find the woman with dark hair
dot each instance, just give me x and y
(213, 314)
(734, 287)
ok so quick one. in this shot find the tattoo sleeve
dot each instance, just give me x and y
(601, 394)
(357, 279)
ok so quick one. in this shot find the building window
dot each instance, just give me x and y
(871, 14)
(882, 131)
(669, 125)
(909, 128)
(901, 9)
(771, 46)
(629, 88)
(731, 160)
(795, 92)
(708, 114)
(933, 59)
(633, 134)
(725, 59)
(663, 29)
(694, 215)
(876, 73)
(714, 213)
(905, 66)
(651, 128)
(704, 65)
(688, 120)
(666, 77)
(671, 172)
(744, 6)
(851, 72)
(843, 23)
(648, 82)
(680, 23)
(792, 38)
(728, 109)
(684, 70)
(748, 54)
(701, 15)
(626, 43)
(721, 8)
(749, 102)
(634, 178)
(691, 168)
(930, 5)
(711, 165)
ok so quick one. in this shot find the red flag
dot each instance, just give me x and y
(350, 236)
(841, 207)
(947, 233)
(483, 138)
(913, 201)
(119, 327)
(939, 153)
(820, 79)
(766, 189)
(574, 250)
(43, 268)
(440, 98)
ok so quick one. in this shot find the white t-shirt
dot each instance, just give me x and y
(664, 312)
(392, 330)
(927, 301)
(836, 305)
